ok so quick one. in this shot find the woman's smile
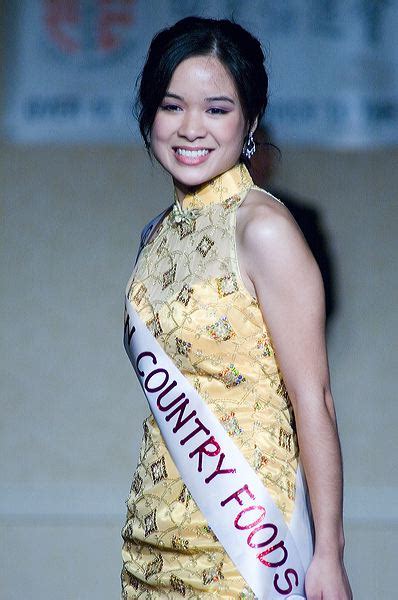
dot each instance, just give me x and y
(191, 156)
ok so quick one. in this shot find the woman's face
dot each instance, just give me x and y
(199, 128)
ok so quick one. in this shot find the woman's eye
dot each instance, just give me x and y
(170, 107)
(217, 111)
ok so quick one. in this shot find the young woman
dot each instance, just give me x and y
(225, 328)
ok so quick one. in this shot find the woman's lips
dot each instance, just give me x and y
(191, 156)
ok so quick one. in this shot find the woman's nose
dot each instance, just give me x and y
(192, 126)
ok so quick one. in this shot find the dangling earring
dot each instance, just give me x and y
(249, 147)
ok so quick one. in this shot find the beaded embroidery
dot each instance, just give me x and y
(183, 347)
(169, 276)
(231, 202)
(185, 295)
(282, 391)
(178, 543)
(158, 470)
(231, 424)
(128, 531)
(177, 585)
(213, 574)
(140, 294)
(134, 582)
(154, 567)
(154, 325)
(207, 530)
(227, 285)
(264, 345)
(137, 484)
(221, 330)
(247, 594)
(161, 246)
(204, 245)
(230, 376)
(260, 460)
(285, 439)
(150, 523)
(186, 228)
(184, 496)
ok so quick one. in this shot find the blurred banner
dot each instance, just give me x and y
(333, 67)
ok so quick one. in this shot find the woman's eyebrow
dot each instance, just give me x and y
(210, 99)
(220, 99)
(171, 95)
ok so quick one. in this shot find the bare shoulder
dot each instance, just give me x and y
(275, 259)
(263, 220)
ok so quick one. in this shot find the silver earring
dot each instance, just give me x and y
(250, 146)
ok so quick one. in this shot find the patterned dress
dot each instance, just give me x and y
(188, 290)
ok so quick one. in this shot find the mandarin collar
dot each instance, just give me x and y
(233, 182)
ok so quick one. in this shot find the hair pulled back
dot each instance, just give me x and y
(237, 49)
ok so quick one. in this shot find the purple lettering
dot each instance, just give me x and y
(280, 545)
(141, 356)
(246, 510)
(180, 412)
(259, 528)
(166, 391)
(289, 589)
(170, 404)
(160, 385)
(236, 495)
(200, 427)
(131, 331)
(203, 449)
(218, 470)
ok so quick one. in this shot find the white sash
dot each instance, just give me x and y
(235, 502)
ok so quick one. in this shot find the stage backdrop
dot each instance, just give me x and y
(333, 66)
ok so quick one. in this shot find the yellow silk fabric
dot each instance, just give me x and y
(188, 290)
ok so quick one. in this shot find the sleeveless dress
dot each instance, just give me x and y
(187, 288)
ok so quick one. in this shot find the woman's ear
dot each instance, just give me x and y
(254, 126)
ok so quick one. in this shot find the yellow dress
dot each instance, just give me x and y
(188, 290)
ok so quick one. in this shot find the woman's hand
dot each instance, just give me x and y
(327, 579)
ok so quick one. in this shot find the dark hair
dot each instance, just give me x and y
(238, 50)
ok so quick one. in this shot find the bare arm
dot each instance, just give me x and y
(276, 262)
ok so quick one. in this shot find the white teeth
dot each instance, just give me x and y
(191, 153)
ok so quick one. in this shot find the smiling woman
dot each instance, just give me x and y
(224, 326)
(200, 123)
